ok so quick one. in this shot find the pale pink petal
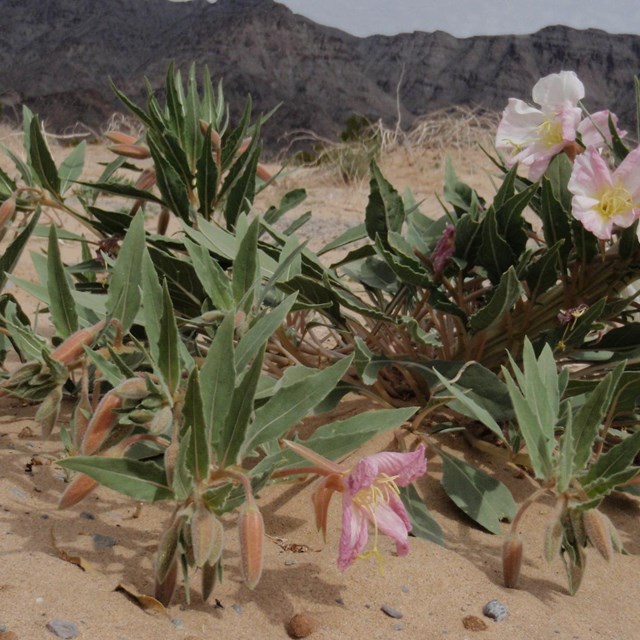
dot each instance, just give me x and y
(594, 129)
(354, 536)
(404, 467)
(628, 173)
(519, 125)
(569, 118)
(393, 525)
(590, 175)
(592, 221)
(558, 90)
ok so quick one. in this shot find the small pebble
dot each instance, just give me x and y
(391, 612)
(44, 516)
(289, 562)
(340, 601)
(473, 623)
(404, 588)
(87, 515)
(18, 493)
(237, 608)
(496, 610)
(63, 628)
(398, 626)
(8, 635)
(39, 600)
(301, 625)
(103, 542)
(3, 628)
(177, 623)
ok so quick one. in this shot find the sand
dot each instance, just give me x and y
(434, 588)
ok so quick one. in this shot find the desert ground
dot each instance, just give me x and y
(80, 565)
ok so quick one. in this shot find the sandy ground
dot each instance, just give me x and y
(434, 588)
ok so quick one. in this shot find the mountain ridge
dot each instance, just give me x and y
(58, 55)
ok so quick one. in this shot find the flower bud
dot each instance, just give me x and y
(104, 418)
(512, 550)
(137, 152)
(7, 209)
(163, 221)
(251, 531)
(206, 536)
(162, 421)
(79, 488)
(598, 533)
(120, 138)
(48, 412)
(553, 538)
(73, 347)
(132, 389)
(146, 180)
(167, 550)
(166, 588)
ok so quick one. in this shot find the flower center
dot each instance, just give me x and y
(550, 132)
(614, 202)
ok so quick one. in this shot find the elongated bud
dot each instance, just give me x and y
(162, 421)
(48, 412)
(79, 488)
(211, 574)
(215, 136)
(206, 536)
(73, 347)
(7, 209)
(616, 542)
(263, 173)
(82, 412)
(598, 533)
(101, 423)
(170, 459)
(512, 551)
(163, 221)
(167, 550)
(146, 180)
(167, 587)
(244, 145)
(120, 138)
(22, 374)
(135, 151)
(553, 538)
(132, 389)
(251, 531)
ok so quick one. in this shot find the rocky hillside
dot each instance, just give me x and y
(58, 54)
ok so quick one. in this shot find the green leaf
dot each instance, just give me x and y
(617, 459)
(152, 303)
(168, 355)
(589, 417)
(556, 226)
(385, 209)
(193, 412)
(423, 524)
(483, 498)
(12, 253)
(61, 304)
(218, 374)
(290, 404)
(542, 273)
(495, 253)
(261, 330)
(456, 193)
(289, 201)
(41, 159)
(245, 266)
(123, 299)
(121, 189)
(359, 232)
(140, 480)
(206, 177)
(214, 280)
(506, 294)
(71, 167)
(170, 183)
(241, 194)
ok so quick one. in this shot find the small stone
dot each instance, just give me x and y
(18, 493)
(39, 600)
(237, 608)
(404, 588)
(44, 516)
(177, 623)
(87, 515)
(3, 628)
(340, 601)
(398, 626)
(289, 562)
(391, 612)
(103, 542)
(8, 635)
(473, 623)
(496, 610)
(63, 628)
(301, 625)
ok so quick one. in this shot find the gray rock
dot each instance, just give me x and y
(237, 608)
(87, 515)
(63, 628)
(391, 612)
(496, 610)
(103, 542)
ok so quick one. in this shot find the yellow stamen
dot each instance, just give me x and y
(614, 201)
(551, 132)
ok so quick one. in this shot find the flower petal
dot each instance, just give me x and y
(519, 125)
(404, 467)
(590, 175)
(594, 129)
(558, 90)
(322, 497)
(629, 174)
(392, 524)
(355, 534)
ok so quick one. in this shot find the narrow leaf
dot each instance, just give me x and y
(61, 304)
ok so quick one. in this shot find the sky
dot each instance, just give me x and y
(463, 18)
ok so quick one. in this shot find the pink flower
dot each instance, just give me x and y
(594, 129)
(602, 198)
(369, 495)
(444, 249)
(531, 136)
